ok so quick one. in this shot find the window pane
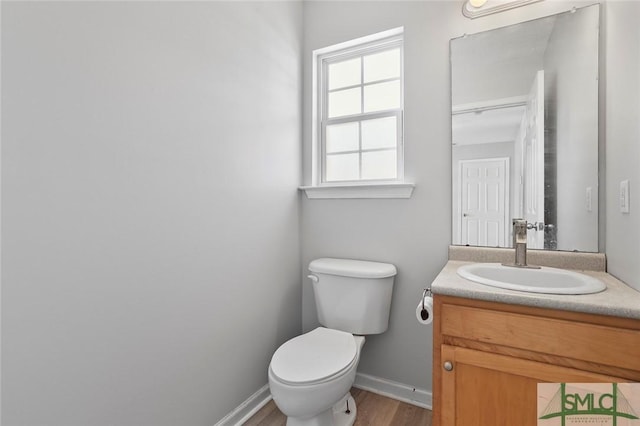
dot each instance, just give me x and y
(382, 96)
(342, 167)
(343, 74)
(379, 165)
(344, 102)
(383, 65)
(379, 133)
(342, 137)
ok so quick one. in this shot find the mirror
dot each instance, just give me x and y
(525, 133)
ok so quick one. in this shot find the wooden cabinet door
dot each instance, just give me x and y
(487, 389)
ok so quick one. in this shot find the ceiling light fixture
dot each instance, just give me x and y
(477, 3)
(477, 8)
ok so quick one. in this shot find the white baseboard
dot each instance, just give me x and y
(247, 409)
(400, 391)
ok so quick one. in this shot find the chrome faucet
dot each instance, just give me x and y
(520, 241)
(520, 227)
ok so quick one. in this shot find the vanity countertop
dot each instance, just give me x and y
(618, 299)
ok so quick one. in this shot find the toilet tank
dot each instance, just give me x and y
(353, 295)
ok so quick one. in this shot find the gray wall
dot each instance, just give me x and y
(623, 137)
(150, 164)
(413, 234)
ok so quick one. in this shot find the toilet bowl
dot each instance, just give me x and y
(310, 377)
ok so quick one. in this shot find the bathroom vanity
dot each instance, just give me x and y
(492, 346)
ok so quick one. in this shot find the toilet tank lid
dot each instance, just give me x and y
(352, 268)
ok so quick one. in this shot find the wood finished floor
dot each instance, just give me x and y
(373, 410)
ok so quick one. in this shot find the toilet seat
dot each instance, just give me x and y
(314, 357)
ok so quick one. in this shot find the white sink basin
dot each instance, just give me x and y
(543, 280)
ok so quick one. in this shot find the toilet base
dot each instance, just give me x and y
(335, 416)
(340, 416)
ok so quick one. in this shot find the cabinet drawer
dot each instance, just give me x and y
(588, 342)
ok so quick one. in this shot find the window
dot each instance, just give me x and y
(359, 112)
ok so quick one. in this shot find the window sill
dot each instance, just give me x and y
(379, 190)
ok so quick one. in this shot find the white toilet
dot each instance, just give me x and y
(310, 375)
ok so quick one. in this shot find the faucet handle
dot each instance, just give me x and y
(538, 226)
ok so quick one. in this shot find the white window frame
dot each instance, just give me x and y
(322, 57)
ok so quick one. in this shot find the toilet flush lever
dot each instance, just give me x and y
(313, 278)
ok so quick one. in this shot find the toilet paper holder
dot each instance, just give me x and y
(424, 313)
